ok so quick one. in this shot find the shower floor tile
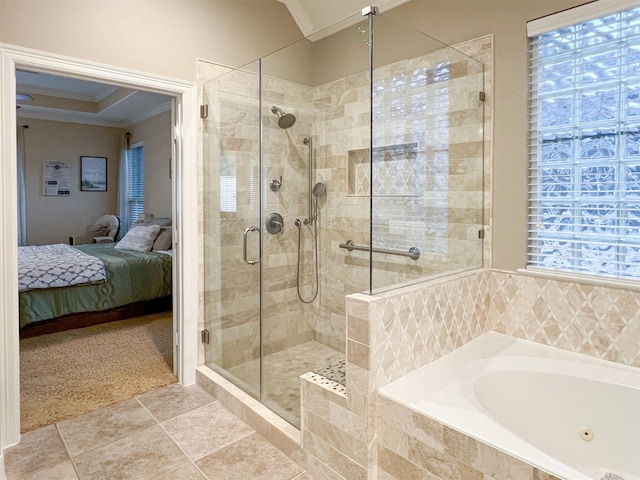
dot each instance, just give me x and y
(281, 385)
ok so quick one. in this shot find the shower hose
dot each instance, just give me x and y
(298, 224)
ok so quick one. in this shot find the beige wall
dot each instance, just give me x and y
(454, 21)
(163, 37)
(53, 219)
(155, 134)
(166, 37)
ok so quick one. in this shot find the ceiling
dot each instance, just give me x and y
(318, 19)
(74, 100)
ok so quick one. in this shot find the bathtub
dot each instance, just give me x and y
(570, 415)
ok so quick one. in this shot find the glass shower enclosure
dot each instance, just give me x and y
(346, 162)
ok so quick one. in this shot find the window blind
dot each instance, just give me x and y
(584, 147)
(579, 14)
(135, 183)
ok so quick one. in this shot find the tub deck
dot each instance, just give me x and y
(536, 403)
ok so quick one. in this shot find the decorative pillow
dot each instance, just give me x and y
(163, 240)
(139, 238)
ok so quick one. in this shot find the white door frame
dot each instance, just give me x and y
(184, 206)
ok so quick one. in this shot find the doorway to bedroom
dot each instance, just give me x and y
(93, 171)
(182, 97)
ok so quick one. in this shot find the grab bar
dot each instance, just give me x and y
(413, 253)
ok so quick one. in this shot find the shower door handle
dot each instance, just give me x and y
(244, 246)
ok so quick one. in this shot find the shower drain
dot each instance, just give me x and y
(586, 434)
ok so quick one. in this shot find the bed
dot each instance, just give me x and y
(136, 283)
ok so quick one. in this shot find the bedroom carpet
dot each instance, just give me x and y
(66, 374)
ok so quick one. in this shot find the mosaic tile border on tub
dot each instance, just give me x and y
(325, 383)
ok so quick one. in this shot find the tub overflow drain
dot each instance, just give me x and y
(586, 434)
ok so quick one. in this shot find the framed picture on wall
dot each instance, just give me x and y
(93, 174)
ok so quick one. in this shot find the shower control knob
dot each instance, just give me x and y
(274, 223)
(275, 184)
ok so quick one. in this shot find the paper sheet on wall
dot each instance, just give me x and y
(57, 178)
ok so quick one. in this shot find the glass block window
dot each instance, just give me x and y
(584, 156)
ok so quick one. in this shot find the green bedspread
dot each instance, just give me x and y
(131, 277)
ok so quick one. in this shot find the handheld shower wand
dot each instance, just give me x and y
(318, 190)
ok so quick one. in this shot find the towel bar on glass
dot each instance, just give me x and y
(413, 253)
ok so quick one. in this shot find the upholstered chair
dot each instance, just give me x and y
(105, 230)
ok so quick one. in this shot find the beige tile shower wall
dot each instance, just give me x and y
(231, 294)
(341, 124)
(231, 300)
(441, 118)
(324, 111)
(431, 102)
(286, 320)
(346, 217)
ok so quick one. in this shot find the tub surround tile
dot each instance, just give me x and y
(441, 464)
(483, 457)
(358, 354)
(396, 467)
(444, 315)
(583, 318)
(600, 321)
(332, 435)
(319, 470)
(398, 423)
(346, 467)
(38, 450)
(540, 475)
(103, 426)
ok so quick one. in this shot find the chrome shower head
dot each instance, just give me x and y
(285, 120)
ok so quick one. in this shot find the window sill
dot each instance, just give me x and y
(620, 284)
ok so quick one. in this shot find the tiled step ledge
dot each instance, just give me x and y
(326, 383)
(336, 372)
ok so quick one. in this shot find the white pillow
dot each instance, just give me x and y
(139, 239)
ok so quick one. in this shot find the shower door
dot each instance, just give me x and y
(231, 227)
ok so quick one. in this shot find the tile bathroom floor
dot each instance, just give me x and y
(173, 433)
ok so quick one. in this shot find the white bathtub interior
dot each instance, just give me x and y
(571, 415)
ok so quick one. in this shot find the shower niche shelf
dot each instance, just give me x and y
(394, 171)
